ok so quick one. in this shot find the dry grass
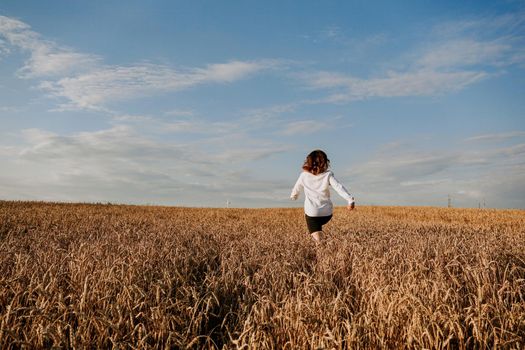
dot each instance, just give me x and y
(77, 275)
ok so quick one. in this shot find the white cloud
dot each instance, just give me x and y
(9, 109)
(410, 166)
(247, 154)
(400, 176)
(467, 52)
(182, 122)
(264, 116)
(232, 71)
(497, 136)
(36, 136)
(85, 83)
(4, 48)
(273, 120)
(421, 82)
(47, 58)
(303, 127)
(330, 33)
(179, 113)
(357, 45)
(200, 126)
(458, 54)
(514, 150)
(115, 83)
(130, 118)
(282, 120)
(422, 183)
(46, 61)
(488, 41)
(124, 165)
(505, 24)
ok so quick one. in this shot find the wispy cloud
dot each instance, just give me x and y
(497, 136)
(514, 151)
(398, 175)
(274, 121)
(288, 120)
(304, 127)
(4, 48)
(115, 83)
(504, 24)
(495, 41)
(312, 126)
(46, 57)
(84, 82)
(421, 82)
(467, 52)
(9, 109)
(105, 164)
(179, 113)
(457, 55)
(267, 115)
(356, 44)
(423, 183)
(329, 33)
(410, 166)
(201, 126)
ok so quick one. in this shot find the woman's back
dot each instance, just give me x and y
(317, 193)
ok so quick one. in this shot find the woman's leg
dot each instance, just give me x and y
(315, 226)
(317, 236)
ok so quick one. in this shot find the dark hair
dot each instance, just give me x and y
(316, 162)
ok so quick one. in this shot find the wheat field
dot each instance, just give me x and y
(115, 276)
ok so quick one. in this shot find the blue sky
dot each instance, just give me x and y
(199, 102)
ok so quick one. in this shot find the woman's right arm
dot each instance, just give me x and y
(343, 192)
(297, 188)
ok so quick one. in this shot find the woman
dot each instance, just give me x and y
(316, 180)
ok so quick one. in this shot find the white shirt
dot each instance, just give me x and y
(317, 192)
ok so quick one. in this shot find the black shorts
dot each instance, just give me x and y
(315, 223)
